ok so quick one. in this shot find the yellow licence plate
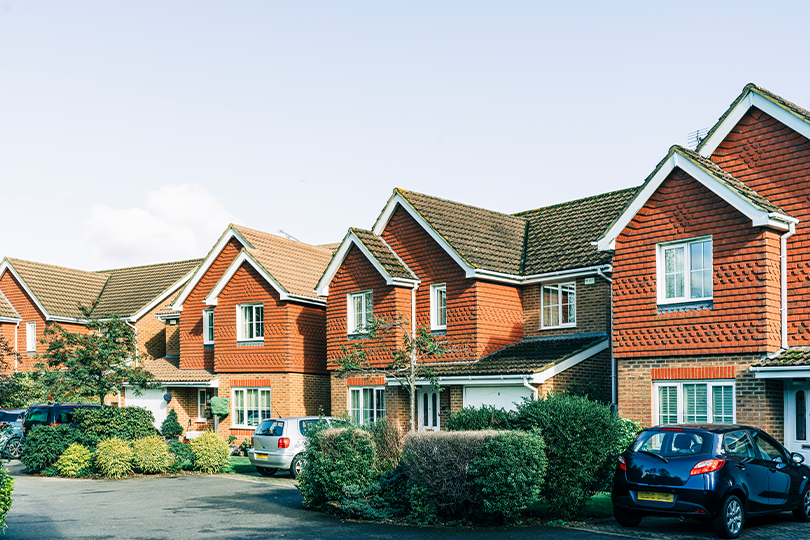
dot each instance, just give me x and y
(655, 496)
(262, 456)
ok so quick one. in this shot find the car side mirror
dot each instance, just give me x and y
(796, 457)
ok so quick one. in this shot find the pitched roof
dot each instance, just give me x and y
(168, 370)
(561, 236)
(7, 311)
(531, 355)
(482, 238)
(383, 253)
(792, 356)
(129, 290)
(294, 265)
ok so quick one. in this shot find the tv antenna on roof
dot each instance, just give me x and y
(291, 237)
(694, 138)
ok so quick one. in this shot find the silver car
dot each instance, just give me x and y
(278, 443)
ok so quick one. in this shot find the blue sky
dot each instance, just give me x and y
(134, 132)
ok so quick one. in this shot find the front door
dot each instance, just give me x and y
(428, 400)
(797, 413)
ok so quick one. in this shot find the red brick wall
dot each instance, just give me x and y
(151, 333)
(591, 375)
(172, 334)
(592, 309)
(775, 161)
(745, 314)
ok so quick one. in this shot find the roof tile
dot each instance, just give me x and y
(168, 370)
(383, 253)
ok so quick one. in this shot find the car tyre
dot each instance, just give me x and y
(802, 513)
(297, 466)
(14, 448)
(626, 518)
(730, 519)
(266, 471)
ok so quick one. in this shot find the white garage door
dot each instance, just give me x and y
(151, 400)
(498, 396)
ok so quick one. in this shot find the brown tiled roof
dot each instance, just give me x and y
(560, 236)
(129, 290)
(333, 247)
(792, 356)
(482, 238)
(168, 370)
(531, 355)
(294, 265)
(6, 309)
(383, 253)
(60, 290)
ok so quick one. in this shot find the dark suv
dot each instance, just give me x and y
(52, 414)
(722, 473)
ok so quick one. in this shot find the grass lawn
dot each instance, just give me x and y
(598, 507)
(238, 465)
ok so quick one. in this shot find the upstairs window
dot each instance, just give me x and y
(31, 337)
(685, 271)
(250, 322)
(559, 305)
(361, 311)
(438, 307)
(208, 327)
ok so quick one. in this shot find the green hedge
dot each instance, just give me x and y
(6, 490)
(477, 419)
(45, 444)
(128, 423)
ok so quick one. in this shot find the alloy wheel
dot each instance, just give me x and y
(806, 502)
(734, 515)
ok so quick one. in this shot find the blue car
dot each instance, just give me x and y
(718, 472)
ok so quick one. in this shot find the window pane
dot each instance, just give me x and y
(696, 256)
(695, 404)
(424, 409)
(667, 405)
(247, 322)
(357, 419)
(568, 308)
(258, 321)
(722, 405)
(801, 416)
(358, 313)
(369, 309)
(368, 405)
(551, 306)
(239, 406)
(380, 399)
(434, 402)
(674, 272)
(441, 307)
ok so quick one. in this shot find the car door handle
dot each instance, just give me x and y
(772, 469)
(740, 466)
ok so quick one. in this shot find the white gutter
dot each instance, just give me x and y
(614, 368)
(535, 393)
(780, 372)
(783, 264)
(470, 379)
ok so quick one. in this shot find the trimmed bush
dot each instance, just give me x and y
(45, 444)
(6, 489)
(114, 458)
(477, 419)
(336, 458)
(126, 423)
(151, 455)
(170, 426)
(183, 457)
(387, 444)
(582, 440)
(211, 452)
(76, 460)
(509, 472)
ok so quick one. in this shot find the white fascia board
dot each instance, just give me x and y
(781, 372)
(5, 266)
(754, 99)
(186, 384)
(385, 217)
(165, 294)
(543, 376)
(468, 380)
(10, 320)
(209, 260)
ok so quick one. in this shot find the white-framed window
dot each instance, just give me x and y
(558, 305)
(685, 271)
(438, 307)
(367, 404)
(31, 337)
(694, 402)
(250, 406)
(361, 310)
(204, 396)
(250, 322)
(208, 326)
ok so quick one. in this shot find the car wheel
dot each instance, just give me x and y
(626, 518)
(14, 448)
(729, 521)
(297, 466)
(266, 471)
(802, 513)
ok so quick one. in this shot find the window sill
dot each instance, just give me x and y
(439, 331)
(560, 327)
(252, 343)
(681, 307)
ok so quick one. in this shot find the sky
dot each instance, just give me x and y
(134, 132)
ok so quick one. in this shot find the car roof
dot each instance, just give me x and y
(12, 411)
(713, 428)
(296, 418)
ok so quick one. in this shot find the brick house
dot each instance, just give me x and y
(35, 294)
(710, 268)
(523, 298)
(247, 326)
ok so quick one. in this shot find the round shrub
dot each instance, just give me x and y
(6, 489)
(76, 460)
(126, 423)
(211, 452)
(151, 455)
(45, 444)
(114, 458)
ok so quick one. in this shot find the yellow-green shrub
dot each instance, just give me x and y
(76, 460)
(151, 455)
(211, 452)
(6, 489)
(114, 458)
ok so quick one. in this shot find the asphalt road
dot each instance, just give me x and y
(195, 507)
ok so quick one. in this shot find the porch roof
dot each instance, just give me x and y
(167, 370)
(790, 357)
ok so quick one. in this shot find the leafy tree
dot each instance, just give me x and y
(406, 363)
(93, 363)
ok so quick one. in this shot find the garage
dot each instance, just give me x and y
(151, 400)
(504, 397)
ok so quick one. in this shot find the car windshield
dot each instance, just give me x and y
(272, 428)
(672, 443)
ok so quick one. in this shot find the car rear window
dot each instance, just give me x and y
(39, 416)
(272, 428)
(305, 426)
(673, 443)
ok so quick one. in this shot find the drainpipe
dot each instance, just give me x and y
(16, 346)
(412, 415)
(535, 392)
(614, 376)
(783, 264)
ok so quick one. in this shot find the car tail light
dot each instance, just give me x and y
(53, 425)
(284, 442)
(622, 464)
(709, 465)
